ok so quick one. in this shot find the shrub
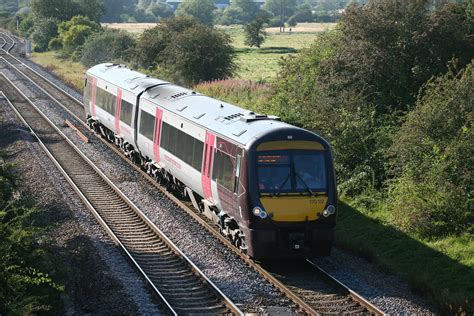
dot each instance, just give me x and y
(74, 33)
(185, 51)
(432, 159)
(44, 30)
(107, 46)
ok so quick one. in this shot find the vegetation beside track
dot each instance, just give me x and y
(26, 265)
(72, 73)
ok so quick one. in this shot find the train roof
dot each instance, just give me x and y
(125, 78)
(231, 121)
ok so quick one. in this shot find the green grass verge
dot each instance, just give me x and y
(442, 268)
(70, 72)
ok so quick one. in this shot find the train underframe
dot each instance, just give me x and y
(226, 224)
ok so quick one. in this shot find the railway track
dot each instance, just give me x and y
(323, 295)
(180, 285)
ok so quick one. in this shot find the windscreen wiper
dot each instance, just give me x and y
(277, 192)
(304, 183)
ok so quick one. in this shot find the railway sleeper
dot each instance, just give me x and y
(217, 308)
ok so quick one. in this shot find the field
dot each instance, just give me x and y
(255, 64)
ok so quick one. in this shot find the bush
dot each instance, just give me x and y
(108, 46)
(44, 31)
(25, 288)
(185, 51)
(432, 158)
(74, 33)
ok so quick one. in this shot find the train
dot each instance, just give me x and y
(268, 186)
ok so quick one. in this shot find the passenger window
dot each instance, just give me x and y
(147, 125)
(173, 140)
(181, 138)
(165, 133)
(188, 149)
(126, 110)
(197, 154)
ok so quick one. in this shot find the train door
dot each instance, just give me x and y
(236, 186)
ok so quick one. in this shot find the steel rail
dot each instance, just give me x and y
(230, 305)
(204, 221)
(13, 42)
(355, 296)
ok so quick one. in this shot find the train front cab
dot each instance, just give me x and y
(292, 196)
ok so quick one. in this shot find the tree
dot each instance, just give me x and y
(186, 51)
(161, 10)
(280, 7)
(107, 46)
(74, 33)
(200, 9)
(393, 47)
(115, 8)
(303, 14)
(249, 9)
(93, 9)
(64, 10)
(57, 9)
(255, 32)
(44, 30)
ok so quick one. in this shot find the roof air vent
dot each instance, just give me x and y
(233, 116)
(251, 117)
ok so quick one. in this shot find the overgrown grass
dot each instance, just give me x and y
(70, 72)
(245, 93)
(443, 268)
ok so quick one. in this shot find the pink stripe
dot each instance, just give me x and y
(117, 111)
(208, 154)
(156, 139)
(94, 90)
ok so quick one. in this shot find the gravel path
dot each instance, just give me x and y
(107, 284)
(242, 285)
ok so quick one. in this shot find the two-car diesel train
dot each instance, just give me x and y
(268, 185)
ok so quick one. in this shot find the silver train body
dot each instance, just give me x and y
(211, 152)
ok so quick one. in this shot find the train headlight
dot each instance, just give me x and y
(257, 211)
(331, 209)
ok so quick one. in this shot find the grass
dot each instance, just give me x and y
(70, 72)
(443, 268)
(262, 64)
